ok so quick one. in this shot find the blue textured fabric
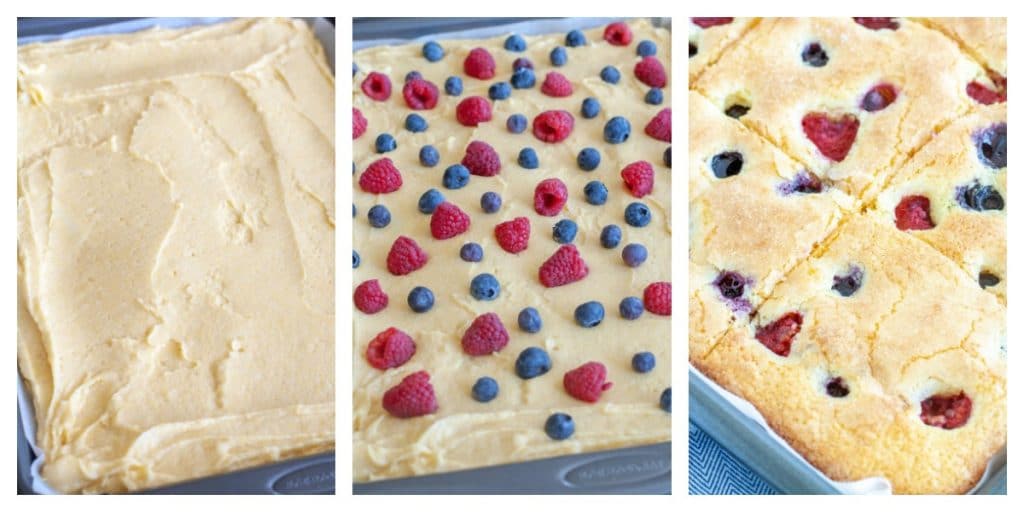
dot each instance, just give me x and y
(713, 470)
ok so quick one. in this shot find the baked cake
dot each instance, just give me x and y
(176, 252)
(511, 248)
(871, 335)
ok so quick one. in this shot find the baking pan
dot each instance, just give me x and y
(307, 475)
(633, 470)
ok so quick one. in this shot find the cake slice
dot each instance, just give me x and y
(710, 37)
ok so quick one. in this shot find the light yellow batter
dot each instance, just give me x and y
(464, 433)
(176, 251)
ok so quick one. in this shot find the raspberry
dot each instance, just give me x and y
(553, 125)
(414, 396)
(563, 267)
(650, 71)
(485, 336)
(618, 34)
(420, 94)
(658, 298)
(878, 23)
(586, 382)
(913, 213)
(448, 221)
(390, 349)
(479, 64)
(660, 126)
(405, 256)
(639, 178)
(778, 335)
(481, 159)
(710, 22)
(381, 177)
(358, 123)
(832, 137)
(946, 411)
(556, 85)
(549, 197)
(369, 297)
(377, 86)
(982, 94)
(513, 235)
(473, 111)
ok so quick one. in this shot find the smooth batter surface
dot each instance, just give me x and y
(176, 251)
(464, 433)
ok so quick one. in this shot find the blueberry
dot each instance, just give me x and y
(415, 123)
(631, 308)
(355, 259)
(610, 75)
(453, 86)
(484, 287)
(814, 55)
(991, 146)
(666, 400)
(986, 279)
(520, 63)
(515, 43)
(379, 216)
(433, 51)
(611, 235)
(353, 168)
(559, 426)
(638, 215)
(529, 320)
(589, 314)
(471, 252)
(803, 182)
(730, 284)
(490, 202)
(837, 388)
(667, 157)
(595, 192)
(726, 164)
(421, 299)
(528, 159)
(979, 198)
(590, 108)
(516, 123)
(575, 38)
(693, 50)
(737, 111)
(353, 211)
(588, 159)
(455, 177)
(849, 283)
(485, 389)
(634, 255)
(646, 48)
(558, 56)
(532, 362)
(429, 201)
(616, 130)
(499, 91)
(355, 69)
(385, 142)
(413, 75)
(429, 156)
(643, 362)
(523, 78)
(654, 96)
(564, 231)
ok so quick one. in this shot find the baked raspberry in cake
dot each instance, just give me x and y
(709, 37)
(984, 40)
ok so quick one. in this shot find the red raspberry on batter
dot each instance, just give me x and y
(369, 298)
(381, 177)
(549, 197)
(660, 126)
(832, 136)
(914, 213)
(556, 85)
(377, 86)
(481, 159)
(513, 235)
(946, 411)
(658, 298)
(710, 22)
(778, 335)
(412, 397)
(420, 94)
(358, 123)
(390, 349)
(485, 336)
(479, 64)
(586, 382)
(650, 71)
(639, 178)
(565, 266)
(618, 34)
(448, 221)
(553, 125)
(473, 111)
(405, 256)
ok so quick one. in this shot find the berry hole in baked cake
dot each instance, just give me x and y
(979, 197)
(778, 335)
(836, 387)
(987, 279)
(710, 22)
(693, 49)
(946, 411)
(878, 23)
(991, 146)
(804, 182)
(726, 164)
(913, 213)
(737, 111)
(879, 97)
(848, 284)
(730, 284)
(814, 55)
